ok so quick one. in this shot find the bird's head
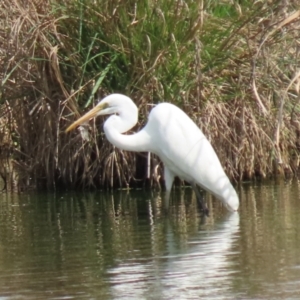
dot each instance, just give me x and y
(112, 104)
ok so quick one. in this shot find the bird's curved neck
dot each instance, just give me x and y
(124, 120)
(138, 142)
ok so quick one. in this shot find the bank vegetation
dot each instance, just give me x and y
(232, 66)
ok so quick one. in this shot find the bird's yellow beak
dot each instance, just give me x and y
(89, 115)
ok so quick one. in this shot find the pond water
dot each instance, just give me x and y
(123, 245)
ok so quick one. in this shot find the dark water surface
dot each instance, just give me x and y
(122, 246)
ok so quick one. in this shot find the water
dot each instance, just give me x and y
(122, 246)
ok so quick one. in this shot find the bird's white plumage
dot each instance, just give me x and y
(187, 153)
(175, 138)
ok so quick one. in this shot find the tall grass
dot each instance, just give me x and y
(232, 66)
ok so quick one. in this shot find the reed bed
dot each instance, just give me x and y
(232, 66)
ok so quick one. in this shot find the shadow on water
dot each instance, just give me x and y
(123, 246)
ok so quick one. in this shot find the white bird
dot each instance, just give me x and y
(174, 138)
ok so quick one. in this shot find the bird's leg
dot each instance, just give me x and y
(200, 199)
(169, 178)
(166, 200)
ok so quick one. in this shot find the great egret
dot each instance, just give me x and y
(174, 137)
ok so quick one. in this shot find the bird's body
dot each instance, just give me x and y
(174, 138)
